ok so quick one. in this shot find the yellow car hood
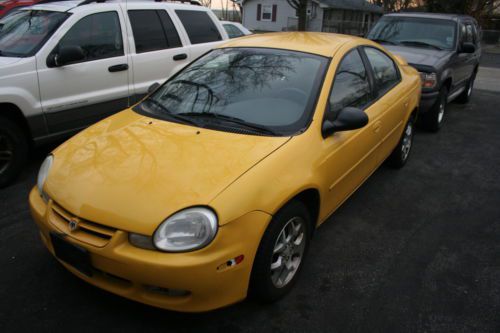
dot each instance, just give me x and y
(131, 172)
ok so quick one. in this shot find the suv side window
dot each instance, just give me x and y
(471, 35)
(99, 35)
(385, 72)
(351, 86)
(232, 31)
(153, 30)
(199, 26)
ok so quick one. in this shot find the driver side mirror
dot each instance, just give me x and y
(349, 118)
(66, 55)
(468, 48)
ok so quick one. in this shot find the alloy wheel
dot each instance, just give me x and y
(288, 252)
(442, 105)
(407, 140)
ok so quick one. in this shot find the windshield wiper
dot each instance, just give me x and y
(255, 127)
(170, 114)
(416, 42)
(380, 40)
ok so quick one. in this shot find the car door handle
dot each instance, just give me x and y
(118, 68)
(181, 56)
(377, 126)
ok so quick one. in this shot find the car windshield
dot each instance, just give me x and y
(25, 31)
(246, 90)
(413, 31)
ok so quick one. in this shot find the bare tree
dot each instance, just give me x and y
(206, 3)
(396, 5)
(301, 7)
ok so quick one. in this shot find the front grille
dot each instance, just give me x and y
(85, 231)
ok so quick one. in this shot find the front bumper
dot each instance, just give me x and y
(427, 100)
(142, 275)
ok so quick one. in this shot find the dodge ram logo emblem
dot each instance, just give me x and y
(73, 225)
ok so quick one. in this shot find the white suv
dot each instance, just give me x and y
(65, 65)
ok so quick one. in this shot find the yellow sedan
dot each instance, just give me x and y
(210, 189)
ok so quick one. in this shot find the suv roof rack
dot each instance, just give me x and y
(192, 2)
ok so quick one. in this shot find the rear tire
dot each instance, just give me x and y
(433, 119)
(464, 97)
(281, 253)
(14, 149)
(401, 153)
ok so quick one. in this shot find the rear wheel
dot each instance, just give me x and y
(400, 154)
(432, 120)
(281, 253)
(464, 97)
(13, 150)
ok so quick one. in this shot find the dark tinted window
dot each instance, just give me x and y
(232, 31)
(384, 69)
(153, 30)
(351, 86)
(170, 30)
(199, 26)
(99, 35)
(270, 88)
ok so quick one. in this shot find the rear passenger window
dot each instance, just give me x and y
(232, 31)
(351, 86)
(199, 26)
(99, 36)
(153, 30)
(384, 69)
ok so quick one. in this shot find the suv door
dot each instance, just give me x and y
(158, 51)
(201, 29)
(80, 93)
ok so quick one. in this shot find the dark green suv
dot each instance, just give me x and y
(444, 48)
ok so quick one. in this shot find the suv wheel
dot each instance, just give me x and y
(433, 119)
(281, 253)
(464, 97)
(13, 150)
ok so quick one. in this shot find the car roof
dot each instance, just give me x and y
(442, 16)
(320, 43)
(63, 6)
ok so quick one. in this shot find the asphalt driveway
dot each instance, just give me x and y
(416, 249)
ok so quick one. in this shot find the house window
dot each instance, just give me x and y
(267, 12)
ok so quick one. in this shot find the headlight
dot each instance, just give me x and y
(429, 80)
(42, 176)
(187, 230)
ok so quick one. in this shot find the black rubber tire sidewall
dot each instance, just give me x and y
(17, 136)
(464, 97)
(396, 160)
(430, 118)
(261, 287)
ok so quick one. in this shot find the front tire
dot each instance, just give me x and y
(13, 150)
(400, 154)
(281, 253)
(433, 119)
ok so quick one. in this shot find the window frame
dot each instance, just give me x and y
(371, 79)
(57, 46)
(162, 26)
(378, 93)
(262, 13)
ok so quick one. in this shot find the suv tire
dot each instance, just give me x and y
(14, 149)
(464, 97)
(432, 120)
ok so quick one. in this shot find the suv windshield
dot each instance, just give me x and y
(414, 31)
(246, 90)
(24, 32)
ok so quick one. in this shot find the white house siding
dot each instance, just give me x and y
(284, 11)
(315, 20)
